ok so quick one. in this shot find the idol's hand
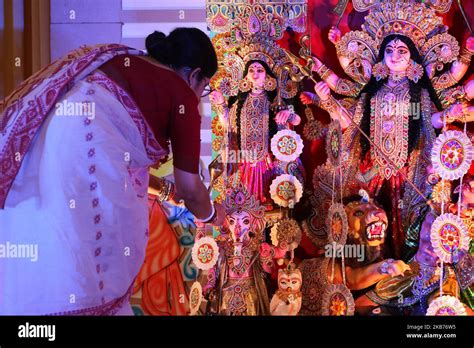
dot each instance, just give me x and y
(216, 98)
(396, 268)
(457, 112)
(307, 97)
(470, 44)
(469, 89)
(334, 35)
(322, 90)
(282, 117)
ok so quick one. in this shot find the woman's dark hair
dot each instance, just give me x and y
(415, 122)
(242, 96)
(183, 47)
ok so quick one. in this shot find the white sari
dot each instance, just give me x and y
(80, 198)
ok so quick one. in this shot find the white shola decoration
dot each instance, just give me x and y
(195, 298)
(446, 306)
(452, 155)
(449, 237)
(286, 190)
(205, 253)
(287, 145)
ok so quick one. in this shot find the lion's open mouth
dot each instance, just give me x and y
(376, 231)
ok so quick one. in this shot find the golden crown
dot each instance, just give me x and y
(415, 20)
(238, 200)
(441, 6)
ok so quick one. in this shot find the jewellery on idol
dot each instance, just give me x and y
(270, 84)
(324, 72)
(315, 99)
(465, 56)
(414, 71)
(348, 88)
(397, 76)
(330, 105)
(449, 117)
(383, 269)
(380, 71)
(245, 85)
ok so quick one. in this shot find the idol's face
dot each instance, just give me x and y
(256, 74)
(468, 193)
(239, 225)
(397, 56)
(289, 280)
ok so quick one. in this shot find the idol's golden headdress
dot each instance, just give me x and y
(239, 200)
(249, 32)
(417, 21)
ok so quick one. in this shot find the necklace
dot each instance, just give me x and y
(254, 122)
(398, 76)
(389, 117)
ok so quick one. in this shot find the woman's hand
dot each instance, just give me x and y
(219, 221)
(216, 98)
(307, 97)
(322, 90)
(334, 35)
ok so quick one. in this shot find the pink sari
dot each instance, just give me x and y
(73, 188)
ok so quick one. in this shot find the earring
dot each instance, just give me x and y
(380, 71)
(415, 71)
(270, 84)
(245, 85)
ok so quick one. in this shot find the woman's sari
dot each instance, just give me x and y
(74, 189)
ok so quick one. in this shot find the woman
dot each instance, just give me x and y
(77, 140)
(251, 123)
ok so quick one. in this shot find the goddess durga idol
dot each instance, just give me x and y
(394, 100)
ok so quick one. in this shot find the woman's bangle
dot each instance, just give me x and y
(211, 216)
(166, 190)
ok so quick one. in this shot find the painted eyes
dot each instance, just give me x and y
(260, 71)
(231, 221)
(400, 51)
(246, 221)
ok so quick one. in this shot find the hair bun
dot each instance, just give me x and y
(157, 46)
